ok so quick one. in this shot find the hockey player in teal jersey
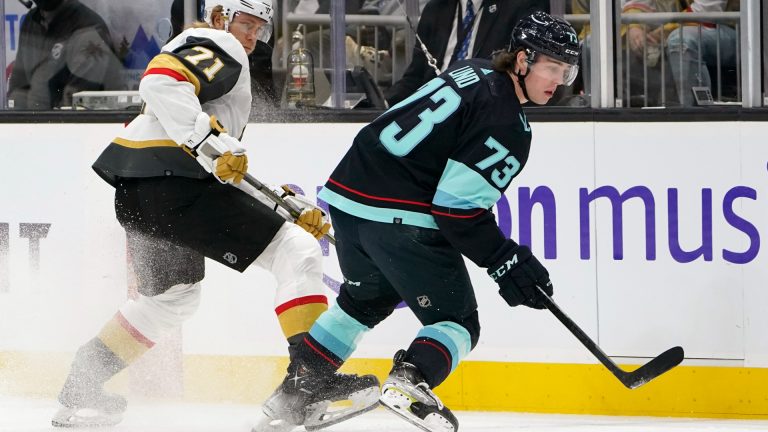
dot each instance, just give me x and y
(413, 195)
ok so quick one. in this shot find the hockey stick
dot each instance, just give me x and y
(657, 366)
(293, 211)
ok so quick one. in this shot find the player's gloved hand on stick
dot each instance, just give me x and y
(517, 272)
(313, 222)
(215, 150)
(231, 168)
(311, 218)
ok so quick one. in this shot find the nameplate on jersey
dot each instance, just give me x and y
(464, 76)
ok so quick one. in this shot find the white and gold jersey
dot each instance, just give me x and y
(200, 70)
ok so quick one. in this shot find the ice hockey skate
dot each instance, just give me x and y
(83, 399)
(407, 394)
(107, 410)
(317, 400)
(99, 409)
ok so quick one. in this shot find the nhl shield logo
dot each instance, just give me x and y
(424, 301)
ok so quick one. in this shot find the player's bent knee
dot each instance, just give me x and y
(367, 314)
(302, 250)
(181, 301)
(155, 316)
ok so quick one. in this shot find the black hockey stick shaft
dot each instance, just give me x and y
(294, 212)
(657, 366)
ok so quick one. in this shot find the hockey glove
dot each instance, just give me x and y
(312, 222)
(231, 168)
(218, 152)
(312, 218)
(517, 272)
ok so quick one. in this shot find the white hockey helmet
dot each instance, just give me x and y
(230, 8)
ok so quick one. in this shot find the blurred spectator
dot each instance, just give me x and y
(643, 66)
(314, 39)
(64, 47)
(365, 45)
(647, 38)
(368, 49)
(362, 7)
(389, 7)
(681, 44)
(691, 42)
(457, 29)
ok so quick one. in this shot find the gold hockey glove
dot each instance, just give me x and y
(231, 168)
(216, 151)
(313, 222)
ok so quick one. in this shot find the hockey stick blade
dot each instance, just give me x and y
(277, 199)
(632, 380)
(660, 364)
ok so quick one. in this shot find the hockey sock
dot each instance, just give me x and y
(335, 335)
(432, 358)
(319, 358)
(294, 343)
(297, 316)
(438, 349)
(123, 339)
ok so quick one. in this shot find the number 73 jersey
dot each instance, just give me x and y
(439, 159)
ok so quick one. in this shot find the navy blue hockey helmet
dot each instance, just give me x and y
(543, 33)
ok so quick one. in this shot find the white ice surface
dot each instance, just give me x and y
(33, 415)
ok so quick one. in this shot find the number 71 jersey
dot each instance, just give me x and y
(449, 150)
(202, 69)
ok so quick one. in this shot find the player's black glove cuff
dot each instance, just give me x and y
(518, 272)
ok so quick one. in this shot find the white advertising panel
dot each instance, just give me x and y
(614, 211)
(669, 258)
(62, 255)
(754, 156)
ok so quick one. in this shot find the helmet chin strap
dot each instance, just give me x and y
(228, 20)
(521, 82)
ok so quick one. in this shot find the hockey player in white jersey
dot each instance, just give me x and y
(174, 169)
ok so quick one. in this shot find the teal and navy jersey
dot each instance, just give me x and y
(439, 159)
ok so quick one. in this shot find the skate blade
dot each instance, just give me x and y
(322, 414)
(400, 404)
(268, 424)
(84, 417)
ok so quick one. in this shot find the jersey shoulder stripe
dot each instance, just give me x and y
(167, 64)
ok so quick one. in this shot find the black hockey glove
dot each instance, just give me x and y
(518, 272)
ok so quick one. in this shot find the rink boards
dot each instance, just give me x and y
(651, 232)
